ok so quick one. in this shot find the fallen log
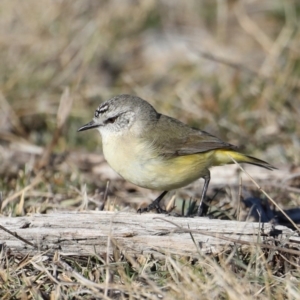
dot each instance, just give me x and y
(90, 232)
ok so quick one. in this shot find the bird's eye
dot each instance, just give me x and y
(111, 120)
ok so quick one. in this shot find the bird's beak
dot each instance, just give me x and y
(88, 126)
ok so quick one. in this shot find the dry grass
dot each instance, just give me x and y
(232, 275)
(228, 67)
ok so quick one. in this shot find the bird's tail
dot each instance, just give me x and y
(224, 157)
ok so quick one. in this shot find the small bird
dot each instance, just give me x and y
(158, 152)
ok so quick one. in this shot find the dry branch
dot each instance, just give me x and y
(85, 233)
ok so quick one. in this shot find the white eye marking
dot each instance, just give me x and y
(100, 110)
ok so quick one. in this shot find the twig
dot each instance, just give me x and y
(101, 207)
(18, 237)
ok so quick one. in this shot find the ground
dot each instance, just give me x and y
(228, 67)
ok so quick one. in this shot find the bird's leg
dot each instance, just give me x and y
(154, 205)
(201, 211)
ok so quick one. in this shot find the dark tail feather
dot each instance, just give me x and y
(258, 162)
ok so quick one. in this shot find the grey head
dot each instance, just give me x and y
(123, 112)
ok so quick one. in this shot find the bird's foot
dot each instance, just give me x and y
(152, 206)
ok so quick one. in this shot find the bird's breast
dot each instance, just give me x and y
(127, 156)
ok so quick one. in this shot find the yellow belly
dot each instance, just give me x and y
(173, 173)
(139, 164)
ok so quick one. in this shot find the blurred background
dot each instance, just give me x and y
(228, 67)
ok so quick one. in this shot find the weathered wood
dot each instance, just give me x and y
(84, 233)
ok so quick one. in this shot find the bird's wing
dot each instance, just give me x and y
(180, 139)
